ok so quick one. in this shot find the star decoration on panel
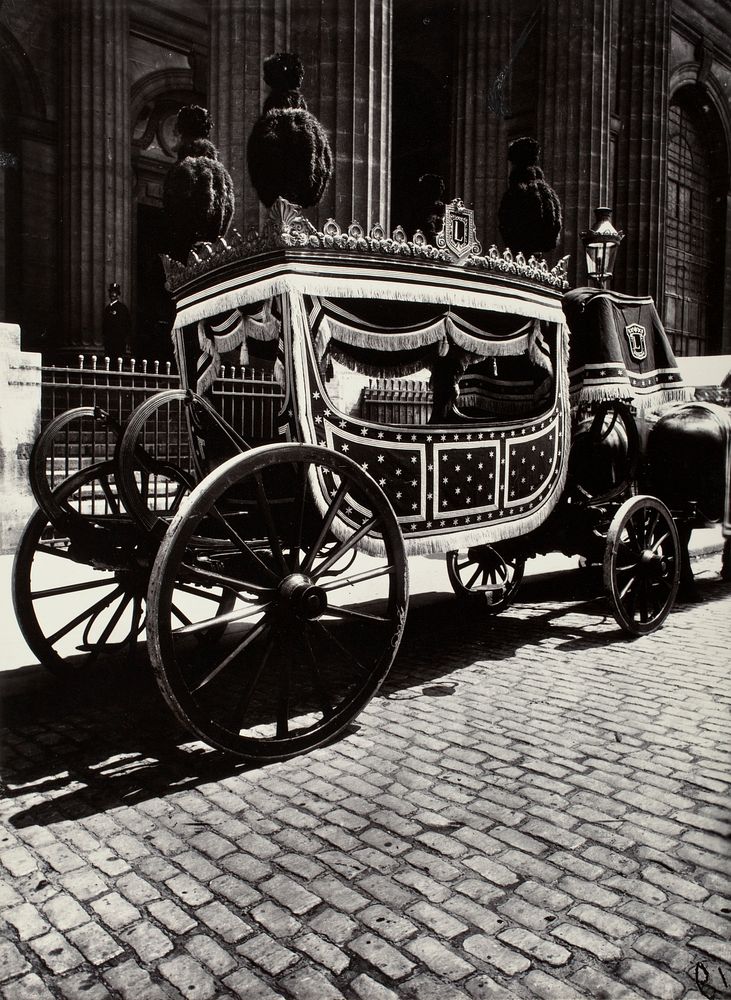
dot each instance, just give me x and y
(466, 479)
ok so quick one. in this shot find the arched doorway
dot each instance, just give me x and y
(695, 224)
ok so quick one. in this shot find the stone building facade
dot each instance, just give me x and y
(630, 100)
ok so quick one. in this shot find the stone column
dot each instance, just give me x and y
(345, 46)
(481, 106)
(39, 259)
(574, 83)
(241, 36)
(641, 153)
(347, 52)
(96, 176)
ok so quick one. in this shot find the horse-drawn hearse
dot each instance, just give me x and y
(272, 581)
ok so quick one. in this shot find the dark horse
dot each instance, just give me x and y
(688, 469)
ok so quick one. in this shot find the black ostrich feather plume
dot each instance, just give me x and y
(288, 153)
(198, 195)
(530, 211)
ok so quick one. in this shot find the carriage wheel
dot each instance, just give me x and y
(79, 589)
(316, 621)
(154, 462)
(72, 442)
(482, 576)
(69, 611)
(642, 564)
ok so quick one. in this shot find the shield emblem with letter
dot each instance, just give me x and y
(637, 340)
(458, 235)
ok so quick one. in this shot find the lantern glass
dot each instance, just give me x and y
(601, 244)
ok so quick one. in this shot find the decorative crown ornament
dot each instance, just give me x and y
(287, 228)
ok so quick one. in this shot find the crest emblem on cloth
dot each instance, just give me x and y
(637, 340)
(458, 235)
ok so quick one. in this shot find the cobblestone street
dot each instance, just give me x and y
(533, 806)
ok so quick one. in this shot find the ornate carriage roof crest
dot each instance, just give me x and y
(286, 228)
(458, 235)
(637, 339)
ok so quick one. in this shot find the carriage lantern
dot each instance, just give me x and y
(600, 244)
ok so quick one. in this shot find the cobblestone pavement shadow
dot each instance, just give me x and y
(106, 735)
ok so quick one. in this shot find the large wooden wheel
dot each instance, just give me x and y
(78, 588)
(485, 579)
(80, 582)
(642, 564)
(315, 623)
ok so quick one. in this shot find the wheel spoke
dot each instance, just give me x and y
(650, 528)
(341, 549)
(242, 704)
(72, 588)
(212, 578)
(332, 511)
(327, 635)
(175, 610)
(255, 632)
(239, 541)
(135, 629)
(348, 581)
(283, 699)
(471, 581)
(661, 541)
(634, 541)
(656, 598)
(326, 706)
(352, 615)
(299, 519)
(144, 478)
(110, 627)
(92, 612)
(644, 607)
(229, 616)
(266, 510)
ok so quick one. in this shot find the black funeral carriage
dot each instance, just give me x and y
(271, 582)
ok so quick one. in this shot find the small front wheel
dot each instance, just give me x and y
(642, 564)
(484, 577)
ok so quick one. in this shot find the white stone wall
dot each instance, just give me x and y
(20, 415)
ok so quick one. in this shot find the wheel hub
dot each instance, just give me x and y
(652, 565)
(302, 597)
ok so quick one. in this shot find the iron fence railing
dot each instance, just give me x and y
(249, 399)
(96, 382)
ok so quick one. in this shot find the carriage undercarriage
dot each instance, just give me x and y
(271, 582)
